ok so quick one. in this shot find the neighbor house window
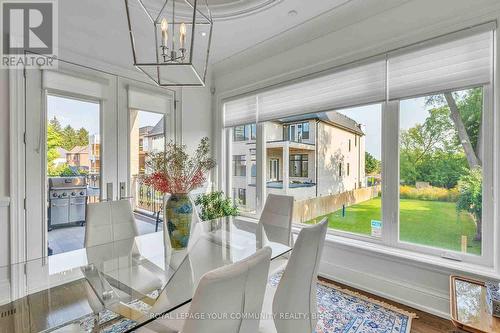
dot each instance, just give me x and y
(299, 165)
(239, 133)
(239, 165)
(298, 132)
(245, 132)
(242, 196)
(253, 163)
(349, 145)
(348, 169)
(340, 169)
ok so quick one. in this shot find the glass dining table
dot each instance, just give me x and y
(122, 285)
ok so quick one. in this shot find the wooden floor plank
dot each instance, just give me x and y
(425, 323)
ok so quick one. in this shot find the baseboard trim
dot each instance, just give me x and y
(351, 277)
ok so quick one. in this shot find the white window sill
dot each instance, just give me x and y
(411, 257)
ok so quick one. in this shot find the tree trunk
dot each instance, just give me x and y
(462, 132)
(479, 230)
(479, 145)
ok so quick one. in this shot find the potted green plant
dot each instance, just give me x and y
(215, 205)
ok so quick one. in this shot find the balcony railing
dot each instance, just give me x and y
(146, 198)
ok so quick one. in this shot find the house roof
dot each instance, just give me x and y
(333, 118)
(79, 150)
(61, 151)
(145, 130)
(157, 129)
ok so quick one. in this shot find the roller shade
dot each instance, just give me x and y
(362, 84)
(453, 62)
(240, 111)
(94, 87)
(148, 101)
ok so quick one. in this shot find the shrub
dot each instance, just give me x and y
(429, 193)
(470, 197)
(215, 205)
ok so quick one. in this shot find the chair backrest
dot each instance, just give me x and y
(296, 292)
(234, 289)
(276, 219)
(109, 221)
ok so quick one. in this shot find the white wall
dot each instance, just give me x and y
(4, 132)
(409, 278)
(4, 183)
(196, 115)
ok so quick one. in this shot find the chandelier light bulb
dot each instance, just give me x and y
(164, 32)
(182, 30)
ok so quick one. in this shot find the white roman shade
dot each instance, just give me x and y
(240, 111)
(60, 81)
(355, 85)
(457, 61)
(139, 99)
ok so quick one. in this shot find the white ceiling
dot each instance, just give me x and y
(97, 29)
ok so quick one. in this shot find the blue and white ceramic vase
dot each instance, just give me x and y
(178, 215)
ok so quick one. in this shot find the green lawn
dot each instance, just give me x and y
(432, 223)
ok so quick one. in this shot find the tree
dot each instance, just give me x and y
(82, 137)
(69, 138)
(466, 117)
(54, 141)
(470, 197)
(56, 125)
(372, 165)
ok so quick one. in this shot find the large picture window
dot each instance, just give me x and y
(421, 117)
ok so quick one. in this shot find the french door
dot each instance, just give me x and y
(78, 124)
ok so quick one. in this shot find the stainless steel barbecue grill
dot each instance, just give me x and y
(67, 201)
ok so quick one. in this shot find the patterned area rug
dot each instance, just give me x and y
(344, 311)
(340, 311)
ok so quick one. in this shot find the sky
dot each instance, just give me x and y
(84, 114)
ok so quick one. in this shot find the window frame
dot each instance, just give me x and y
(301, 164)
(392, 159)
(240, 159)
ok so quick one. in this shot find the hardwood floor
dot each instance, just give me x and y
(425, 323)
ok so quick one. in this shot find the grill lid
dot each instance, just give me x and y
(67, 182)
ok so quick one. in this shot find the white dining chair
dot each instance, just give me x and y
(110, 238)
(236, 290)
(275, 225)
(109, 221)
(296, 291)
(276, 219)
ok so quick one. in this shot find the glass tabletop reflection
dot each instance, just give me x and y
(124, 284)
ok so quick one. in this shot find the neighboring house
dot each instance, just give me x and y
(95, 154)
(78, 157)
(155, 139)
(144, 145)
(307, 156)
(61, 158)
